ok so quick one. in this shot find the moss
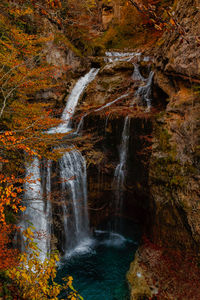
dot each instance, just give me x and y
(105, 84)
(167, 169)
(164, 138)
(169, 172)
(137, 282)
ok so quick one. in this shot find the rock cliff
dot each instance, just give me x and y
(174, 170)
(178, 53)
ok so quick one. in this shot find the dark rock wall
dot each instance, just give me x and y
(174, 172)
(101, 189)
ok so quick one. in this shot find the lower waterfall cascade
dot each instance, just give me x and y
(74, 182)
(73, 175)
(38, 210)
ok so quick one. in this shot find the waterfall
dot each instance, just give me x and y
(37, 212)
(73, 176)
(144, 92)
(73, 101)
(74, 182)
(137, 76)
(48, 205)
(80, 124)
(120, 171)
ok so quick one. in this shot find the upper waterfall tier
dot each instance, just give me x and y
(72, 102)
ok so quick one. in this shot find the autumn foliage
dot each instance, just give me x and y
(23, 72)
(8, 254)
(171, 273)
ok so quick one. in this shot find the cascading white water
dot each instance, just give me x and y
(137, 76)
(74, 176)
(80, 124)
(120, 171)
(144, 92)
(37, 212)
(73, 101)
(121, 56)
(74, 186)
(74, 182)
(48, 205)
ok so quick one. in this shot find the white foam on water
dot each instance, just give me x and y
(112, 239)
(144, 92)
(115, 240)
(86, 246)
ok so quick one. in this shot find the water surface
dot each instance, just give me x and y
(99, 266)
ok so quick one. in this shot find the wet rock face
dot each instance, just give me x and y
(126, 68)
(175, 173)
(67, 62)
(102, 162)
(179, 52)
(140, 289)
(174, 170)
(113, 80)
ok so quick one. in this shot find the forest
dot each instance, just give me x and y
(99, 149)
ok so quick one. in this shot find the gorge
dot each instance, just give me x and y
(103, 149)
(71, 228)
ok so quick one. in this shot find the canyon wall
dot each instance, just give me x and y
(174, 172)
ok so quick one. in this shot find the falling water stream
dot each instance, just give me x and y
(74, 179)
(120, 171)
(37, 212)
(74, 183)
(72, 102)
(144, 92)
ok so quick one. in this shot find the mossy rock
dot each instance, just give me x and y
(138, 285)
